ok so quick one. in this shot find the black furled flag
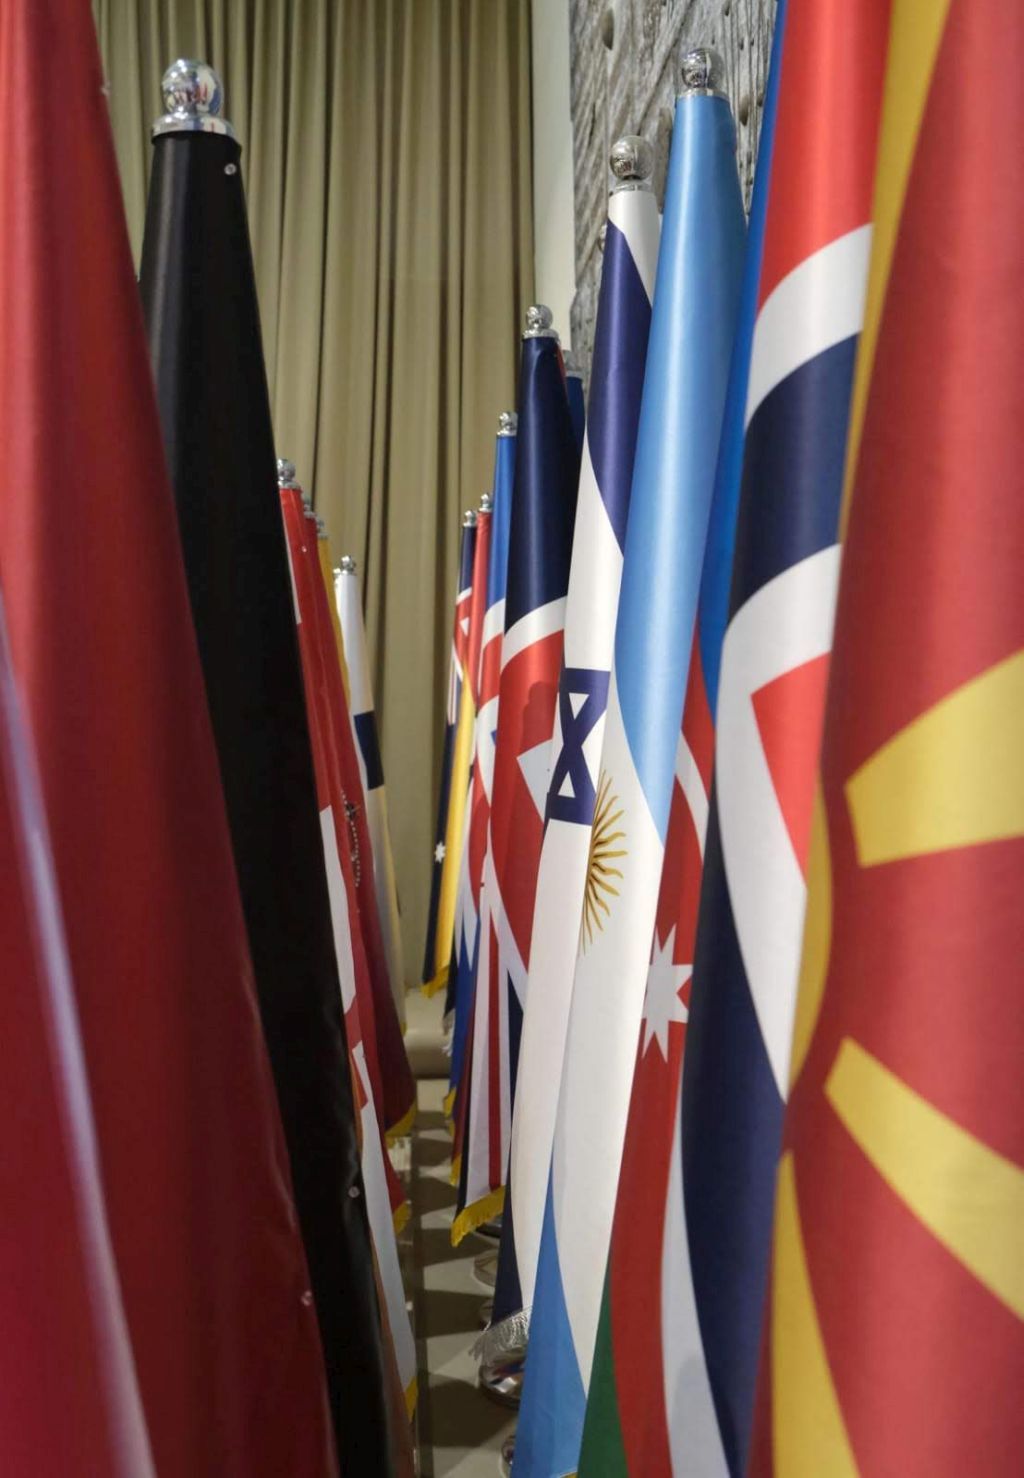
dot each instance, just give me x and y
(199, 296)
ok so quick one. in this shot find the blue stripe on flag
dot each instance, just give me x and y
(366, 732)
(732, 1116)
(620, 344)
(548, 1446)
(796, 442)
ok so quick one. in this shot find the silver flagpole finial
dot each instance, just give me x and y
(486, 503)
(571, 367)
(508, 423)
(632, 163)
(469, 519)
(321, 527)
(539, 319)
(701, 73)
(193, 98)
(348, 566)
(286, 473)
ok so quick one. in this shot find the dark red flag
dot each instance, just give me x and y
(204, 1234)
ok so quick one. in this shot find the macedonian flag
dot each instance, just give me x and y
(896, 1335)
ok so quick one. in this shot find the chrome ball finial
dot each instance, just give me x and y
(486, 503)
(469, 519)
(701, 73)
(631, 162)
(347, 566)
(286, 473)
(321, 528)
(508, 423)
(539, 320)
(193, 98)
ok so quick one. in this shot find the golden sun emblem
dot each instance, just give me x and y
(601, 859)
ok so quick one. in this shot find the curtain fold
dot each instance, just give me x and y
(387, 170)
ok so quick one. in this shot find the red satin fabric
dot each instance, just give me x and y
(194, 1171)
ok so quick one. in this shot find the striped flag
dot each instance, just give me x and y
(620, 350)
(770, 695)
(397, 1102)
(638, 1417)
(694, 314)
(540, 545)
(364, 720)
(317, 651)
(896, 1339)
(492, 628)
(441, 910)
(577, 401)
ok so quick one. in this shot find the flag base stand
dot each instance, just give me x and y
(508, 1452)
(485, 1269)
(503, 1380)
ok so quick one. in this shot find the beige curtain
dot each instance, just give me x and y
(387, 149)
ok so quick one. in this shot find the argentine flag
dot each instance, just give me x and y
(695, 305)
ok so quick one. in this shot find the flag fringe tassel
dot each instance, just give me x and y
(404, 1125)
(431, 988)
(486, 1209)
(509, 1336)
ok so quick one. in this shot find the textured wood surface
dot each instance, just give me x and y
(623, 59)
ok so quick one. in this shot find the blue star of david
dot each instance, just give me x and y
(575, 801)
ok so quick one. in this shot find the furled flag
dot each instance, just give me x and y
(896, 1336)
(398, 1100)
(637, 1415)
(195, 1178)
(322, 670)
(199, 295)
(620, 350)
(540, 547)
(768, 718)
(65, 1345)
(694, 314)
(444, 873)
(470, 851)
(357, 658)
(325, 706)
(577, 400)
(492, 628)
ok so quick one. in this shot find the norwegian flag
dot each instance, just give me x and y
(774, 666)
(540, 546)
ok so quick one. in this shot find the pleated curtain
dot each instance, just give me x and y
(387, 169)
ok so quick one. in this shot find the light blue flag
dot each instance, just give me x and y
(694, 315)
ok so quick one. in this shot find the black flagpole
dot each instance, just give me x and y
(199, 296)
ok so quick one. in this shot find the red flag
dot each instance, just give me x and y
(896, 1336)
(196, 1180)
(65, 1342)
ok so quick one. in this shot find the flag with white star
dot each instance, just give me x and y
(693, 318)
(634, 1406)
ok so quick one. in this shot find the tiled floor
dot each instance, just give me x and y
(460, 1430)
